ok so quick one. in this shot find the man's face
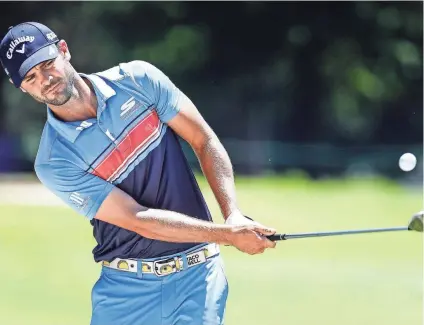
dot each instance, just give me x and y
(50, 82)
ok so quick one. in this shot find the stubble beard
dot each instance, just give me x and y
(59, 99)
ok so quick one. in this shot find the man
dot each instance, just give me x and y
(110, 150)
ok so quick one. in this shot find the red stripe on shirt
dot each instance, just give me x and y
(132, 143)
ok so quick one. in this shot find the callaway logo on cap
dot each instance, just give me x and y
(24, 46)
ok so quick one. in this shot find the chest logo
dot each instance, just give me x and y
(128, 107)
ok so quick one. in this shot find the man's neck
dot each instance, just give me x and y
(82, 105)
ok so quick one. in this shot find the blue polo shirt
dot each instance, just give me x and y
(128, 145)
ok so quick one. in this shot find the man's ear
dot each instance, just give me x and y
(64, 49)
(23, 90)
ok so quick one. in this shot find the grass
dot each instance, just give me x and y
(47, 270)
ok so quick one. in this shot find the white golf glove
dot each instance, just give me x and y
(237, 218)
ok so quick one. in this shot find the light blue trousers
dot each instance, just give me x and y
(193, 296)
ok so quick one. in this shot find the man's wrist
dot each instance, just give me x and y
(229, 209)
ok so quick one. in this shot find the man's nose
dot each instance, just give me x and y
(47, 79)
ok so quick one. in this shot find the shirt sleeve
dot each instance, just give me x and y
(80, 190)
(160, 91)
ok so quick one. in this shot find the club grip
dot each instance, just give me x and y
(276, 237)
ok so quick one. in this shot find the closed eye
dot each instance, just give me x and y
(29, 78)
(48, 64)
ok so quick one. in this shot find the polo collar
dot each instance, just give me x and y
(71, 130)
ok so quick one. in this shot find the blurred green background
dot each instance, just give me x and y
(333, 88)
(47, 272)
(315, 103)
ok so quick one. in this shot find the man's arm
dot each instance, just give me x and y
(212, 156)
(177, 111)
(93, 197)
(123, 211)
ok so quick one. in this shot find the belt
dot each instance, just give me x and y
(166, 266)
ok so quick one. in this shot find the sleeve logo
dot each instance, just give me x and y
(78, 200)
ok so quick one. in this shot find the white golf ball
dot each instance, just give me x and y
(407, 162)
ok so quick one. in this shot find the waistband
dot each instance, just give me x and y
(165, 265)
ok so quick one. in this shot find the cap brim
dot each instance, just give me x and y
(46, 53)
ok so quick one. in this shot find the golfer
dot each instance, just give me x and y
(110, 151)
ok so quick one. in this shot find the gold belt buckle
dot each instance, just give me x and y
(163, 267)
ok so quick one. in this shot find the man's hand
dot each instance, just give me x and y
(251, 239)
(248, 242)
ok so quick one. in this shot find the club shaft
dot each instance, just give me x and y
(334, 233)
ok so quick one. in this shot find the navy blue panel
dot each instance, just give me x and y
(163, 180)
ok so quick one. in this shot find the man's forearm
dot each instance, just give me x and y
(217, 168)
(172, 226)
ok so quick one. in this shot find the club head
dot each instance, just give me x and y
(416, 222)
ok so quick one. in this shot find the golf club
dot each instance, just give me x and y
(415, 224)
